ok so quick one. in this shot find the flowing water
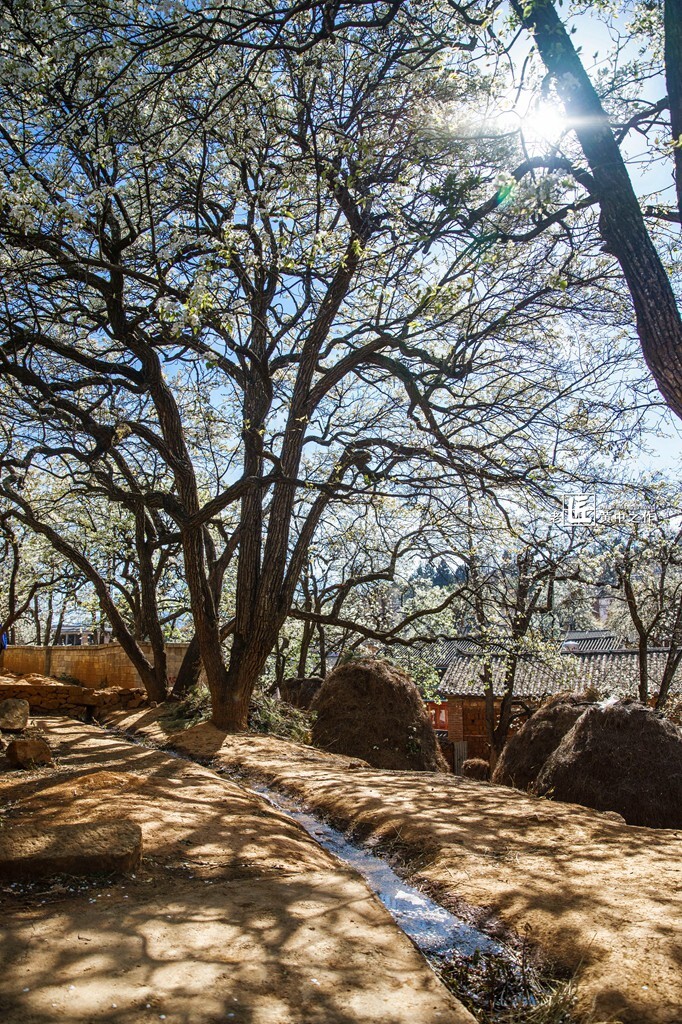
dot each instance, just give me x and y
(491, 978)
(433, 929)
(488, 976)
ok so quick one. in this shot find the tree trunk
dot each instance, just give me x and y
(489, 693)
(190, 670)
(280, 664)
(308, 630)
(36, 621)
(671, 666)
(642, 634)
(231, 710)
(248, 657)
(323, 649)
(499, 732)
(231, 705)
(621, 223)
(149, 607)
(48, 622)
(673, 660)
(643, 657)
(673, 80)
(204, 612)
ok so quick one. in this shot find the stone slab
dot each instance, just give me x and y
(103, 847)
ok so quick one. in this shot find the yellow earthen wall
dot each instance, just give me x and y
(96, 665)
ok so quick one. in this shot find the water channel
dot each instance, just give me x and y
(433, 929)
(491, 977)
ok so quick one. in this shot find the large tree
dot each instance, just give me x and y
(254, 280)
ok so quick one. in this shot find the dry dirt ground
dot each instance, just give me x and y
(235, 916)
(602, 898)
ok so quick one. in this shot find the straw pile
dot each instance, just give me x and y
(372, 710)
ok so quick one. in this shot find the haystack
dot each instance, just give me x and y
(301, 692)
(526, 751)
(476, 768)
(620, 757)
(374, 711)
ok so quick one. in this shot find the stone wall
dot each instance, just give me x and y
(96, 665)
(78, 701)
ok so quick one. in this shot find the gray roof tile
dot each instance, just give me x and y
(605, 670)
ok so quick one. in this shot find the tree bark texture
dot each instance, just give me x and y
(673, 80)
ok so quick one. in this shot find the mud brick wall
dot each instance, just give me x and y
(96, 665)
(455, 721)
(67, 698)
(466, 723)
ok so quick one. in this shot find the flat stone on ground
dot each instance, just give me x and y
(35, 851)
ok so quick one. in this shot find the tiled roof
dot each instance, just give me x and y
(605, 670)
(589, 641)
(443, 653)
(439, 653)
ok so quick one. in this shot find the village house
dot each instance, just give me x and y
(80, 634)
(589, 660)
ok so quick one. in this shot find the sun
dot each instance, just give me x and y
(543, 122)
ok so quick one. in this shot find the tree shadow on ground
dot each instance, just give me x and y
(235, 916)
(597, 896)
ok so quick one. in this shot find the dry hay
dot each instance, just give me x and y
(526, 751)
(621, 757)
(373, 710)
(476, 768)
(300, 693)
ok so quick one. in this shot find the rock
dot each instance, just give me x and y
(29, 851)
(14, 714)
(27, 753)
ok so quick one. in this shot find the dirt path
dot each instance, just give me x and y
(235, 917)
(602, 898)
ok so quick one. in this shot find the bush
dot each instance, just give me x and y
(194, 707)
(266, 714)
(276, 717)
